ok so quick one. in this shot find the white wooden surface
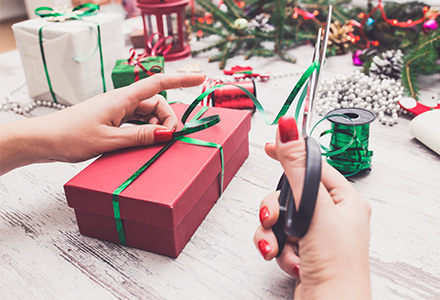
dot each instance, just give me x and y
(43, 256)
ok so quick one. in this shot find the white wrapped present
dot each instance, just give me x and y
(72, 56)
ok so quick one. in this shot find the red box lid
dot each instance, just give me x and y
(164, 193)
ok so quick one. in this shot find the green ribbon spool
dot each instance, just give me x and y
(76, 14)
(197, 124)
(348, 150)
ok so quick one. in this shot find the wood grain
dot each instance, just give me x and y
(43, 256)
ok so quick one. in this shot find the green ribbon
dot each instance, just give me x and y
(76, 14)
(348, 150)
(197, 124)
(302, 82)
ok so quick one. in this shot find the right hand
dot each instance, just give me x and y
(333, 255)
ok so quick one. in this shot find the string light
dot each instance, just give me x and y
(305, 14)
(366, 18)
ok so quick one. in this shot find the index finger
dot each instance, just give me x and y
(147, 88)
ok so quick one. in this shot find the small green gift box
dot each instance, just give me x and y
(127, 71)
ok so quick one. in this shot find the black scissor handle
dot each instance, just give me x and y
(292, 222)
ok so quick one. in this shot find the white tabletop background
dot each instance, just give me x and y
(43, 256)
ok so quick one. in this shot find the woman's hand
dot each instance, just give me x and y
(92, 127)
(331, 261)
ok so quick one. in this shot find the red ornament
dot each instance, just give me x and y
(430, 25)
(167, 18)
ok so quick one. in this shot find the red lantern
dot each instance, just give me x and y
(165, 17)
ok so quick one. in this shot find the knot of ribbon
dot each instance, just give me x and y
(62, 12)
(159, 45)
(137, 61)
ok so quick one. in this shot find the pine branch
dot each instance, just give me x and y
(225, 55)
(279, 21)
(411, 85)
(251, 52)
(208, 29)
(217, 14)
(207, 48)
(234, 9)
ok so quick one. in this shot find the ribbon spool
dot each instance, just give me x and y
(230, 96)
(349, 141)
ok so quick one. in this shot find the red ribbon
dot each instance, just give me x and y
(162, 45)
(229, 95)
(209, 83)
(137, 63)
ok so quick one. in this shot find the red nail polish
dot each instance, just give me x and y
(264, 247)
(264, 214)
(161, 135)
(295, 270)
(288, 129)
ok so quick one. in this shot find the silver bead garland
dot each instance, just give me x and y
(14, 105)
(361, 91)
(258, 78)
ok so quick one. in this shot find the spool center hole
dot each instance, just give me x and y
(352, 115)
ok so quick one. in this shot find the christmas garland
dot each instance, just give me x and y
(269, 28)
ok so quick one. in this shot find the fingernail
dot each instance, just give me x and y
(267, 144)
(264, 247)
(264, 214)
(161, 135)
(288, 129)
(295, 271)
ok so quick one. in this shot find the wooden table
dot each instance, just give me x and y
(43, 256)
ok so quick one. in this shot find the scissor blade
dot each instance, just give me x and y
(308, 101)
(321, 59)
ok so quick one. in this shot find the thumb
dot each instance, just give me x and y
(291, 152)
(141, 135)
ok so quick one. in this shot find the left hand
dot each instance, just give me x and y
(92, 127)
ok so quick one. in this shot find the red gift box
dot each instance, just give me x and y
(164, 206)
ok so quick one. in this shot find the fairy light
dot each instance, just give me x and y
(241, 4)
(295, 16)
(367, 20)
(201, 20)
(315, 12)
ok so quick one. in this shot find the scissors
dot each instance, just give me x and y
(295, 222)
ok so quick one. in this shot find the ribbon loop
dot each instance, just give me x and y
(137, 63)
(161, 46)
(63, 12)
